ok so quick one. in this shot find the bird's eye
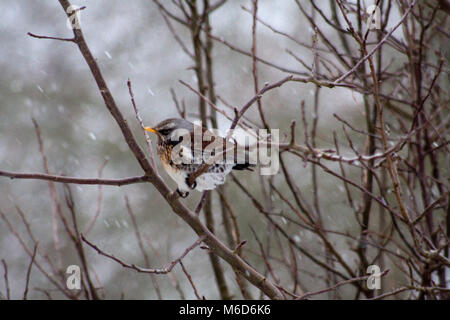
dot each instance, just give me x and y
(164, 132)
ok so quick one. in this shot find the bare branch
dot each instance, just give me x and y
(27, 281)
(64, 179)
(146, 270)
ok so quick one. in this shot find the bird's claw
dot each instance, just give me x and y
(193, 185)
(182, 194)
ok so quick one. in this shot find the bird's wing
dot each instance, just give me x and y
(214, 145)
(203, 146)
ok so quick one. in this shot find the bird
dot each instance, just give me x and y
(184, 148)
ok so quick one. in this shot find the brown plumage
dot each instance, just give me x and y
(183, 148)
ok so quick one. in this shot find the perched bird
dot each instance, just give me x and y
(184, 148)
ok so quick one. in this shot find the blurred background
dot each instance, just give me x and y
(50, 82)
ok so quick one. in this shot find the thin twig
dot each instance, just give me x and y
(188, 276)
(99, 199)
(56, 206)
(5, 276)
(141, 123)
(337, 285)
(146, 270)
(64, 179)
(141, 245)
(201, 202)
(50, 38)
(27, 281)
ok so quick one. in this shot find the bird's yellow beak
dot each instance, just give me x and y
(150, 129)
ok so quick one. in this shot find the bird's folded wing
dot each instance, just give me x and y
(210, 148)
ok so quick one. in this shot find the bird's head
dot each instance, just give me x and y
(171, 129)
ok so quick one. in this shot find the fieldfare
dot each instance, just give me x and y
(185, 148)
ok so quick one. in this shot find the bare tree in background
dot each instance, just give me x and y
(398, 198)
